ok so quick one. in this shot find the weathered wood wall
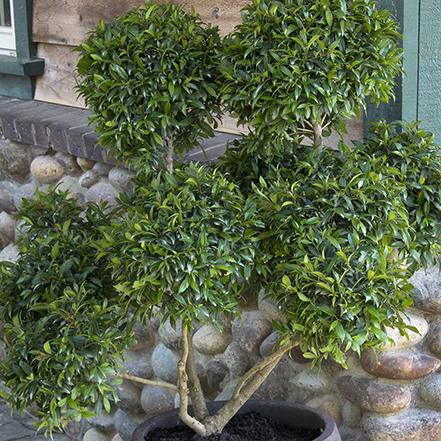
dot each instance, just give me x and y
(61, 25)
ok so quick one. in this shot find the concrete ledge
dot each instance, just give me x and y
(67, 129)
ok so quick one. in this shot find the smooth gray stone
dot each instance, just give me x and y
(411, 425)
(399, 366)
(129, 397)
(126, 423)
(13, 430)
(144, 335)
(372, 396)
(237, 360)
(267, 347)
(156, 400)
(251, 331)
(102, 191)
(88, 179)
(427, 289)
(171, 337)
(121, 179)
(139, 363)
(430, 391)
(69, 163)
(276, 386)
(164, 363)
(433, 339)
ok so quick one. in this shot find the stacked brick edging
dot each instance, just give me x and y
(45, 125)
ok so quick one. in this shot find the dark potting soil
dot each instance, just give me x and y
(245, 427)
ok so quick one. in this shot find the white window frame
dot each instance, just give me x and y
(7, 35)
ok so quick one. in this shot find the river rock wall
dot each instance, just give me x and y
(394, 395)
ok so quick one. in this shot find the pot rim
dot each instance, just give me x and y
(330, 431)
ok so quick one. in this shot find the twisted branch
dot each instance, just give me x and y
(145, 381)
(258, 367)
(192, 422)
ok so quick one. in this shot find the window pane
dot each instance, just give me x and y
(7, 34)
(5, 13)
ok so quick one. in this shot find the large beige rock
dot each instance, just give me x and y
(209, 341)
(46, 169)
(399, 366)
(412, 338)
(95, 434)
(411, 425)
(372, 396)
(328, 404)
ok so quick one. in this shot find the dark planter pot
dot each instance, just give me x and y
(280, 412)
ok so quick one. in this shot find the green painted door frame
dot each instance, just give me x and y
(422, 46)
(392, 110)
(18, 74)
(418, 93)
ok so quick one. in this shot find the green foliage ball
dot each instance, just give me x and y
(331, 227)
(415, 161)
(150, 78)
(61, 329)
(187, 241)
(291, 65)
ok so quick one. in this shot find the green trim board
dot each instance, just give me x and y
(411, 25)
(392, 110)
(419, 90)
(429, 67)
(17, 74)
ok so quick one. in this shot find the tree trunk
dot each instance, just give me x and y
(170, 155)
(194, 384)
(202, 423)
(318, 137)
(246, 386)
(192, 422)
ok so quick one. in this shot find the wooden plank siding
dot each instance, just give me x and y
(57, 85)
(68, 22)
(60, 25)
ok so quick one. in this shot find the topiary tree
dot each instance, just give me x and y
(62, 330)
(186, 243)
(318, 236)
(415, 159)
(150, 80)
(332, 225)
(298, 67)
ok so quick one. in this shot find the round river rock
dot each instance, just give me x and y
(403, 366)
(427, 289)
(46, 169)
(430, 391)
(209, 341)
(373, 396)
(251, 331)
(414, 424)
